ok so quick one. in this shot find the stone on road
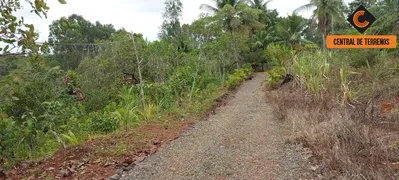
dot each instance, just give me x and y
(241, 141)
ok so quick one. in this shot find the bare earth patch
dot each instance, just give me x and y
(242, 140)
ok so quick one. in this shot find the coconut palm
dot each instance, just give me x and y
(261, 5)
(263, 37)
(219, 4)
(290, 29)
(324, 14)
(387, 12)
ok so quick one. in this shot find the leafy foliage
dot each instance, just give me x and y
(79, 32)
(14, 31)
(238, 77)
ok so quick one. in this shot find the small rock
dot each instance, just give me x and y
(51, 169)
(115, 177)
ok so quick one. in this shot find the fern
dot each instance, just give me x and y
(72, 139)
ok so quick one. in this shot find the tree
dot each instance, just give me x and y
(356, 3)
(219, 4)
(325, 12)
(171, 25)
(263, 37)
(239, 18)
(171, 29)
(387, 13)
(73, 38)
(238, 21)
(14, 31)
(290, 29)
(261, 5)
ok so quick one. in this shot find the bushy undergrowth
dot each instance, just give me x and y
(238, 76)
(337, 109)
(66, 122)
(280, 56)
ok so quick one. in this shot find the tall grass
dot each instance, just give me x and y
(311, 69)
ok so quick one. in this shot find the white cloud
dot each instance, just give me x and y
(140, 16)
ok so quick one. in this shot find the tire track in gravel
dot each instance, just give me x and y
(243, 140)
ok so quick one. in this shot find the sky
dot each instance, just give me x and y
(139, 16)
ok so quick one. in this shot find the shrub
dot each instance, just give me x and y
(275, 75)
(279, 54)
(238, 76)
(102, 122)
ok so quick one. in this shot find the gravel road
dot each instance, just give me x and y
(241, 141)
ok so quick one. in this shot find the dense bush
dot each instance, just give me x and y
(276, 74)
(238, 76)
(280, 56)
(102, 122)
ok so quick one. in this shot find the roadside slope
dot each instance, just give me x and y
(241, 141)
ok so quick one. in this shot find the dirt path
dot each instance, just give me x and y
(241, 141)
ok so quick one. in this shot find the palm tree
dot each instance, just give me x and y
(263, 37)
(325, 12)
(259, 4)
(220, 4)
(290, 29)
(387, 12)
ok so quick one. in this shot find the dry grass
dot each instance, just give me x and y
(345, 141)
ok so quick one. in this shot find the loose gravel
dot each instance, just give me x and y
(243, 140)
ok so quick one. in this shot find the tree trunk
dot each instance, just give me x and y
(324, 30)
(138, 61)
(235, 55)
(324, 33)
(195, 76)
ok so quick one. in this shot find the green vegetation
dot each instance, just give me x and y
(98, 80)
(238, 77)
(342, 103)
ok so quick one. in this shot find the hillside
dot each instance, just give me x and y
(95, 101)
